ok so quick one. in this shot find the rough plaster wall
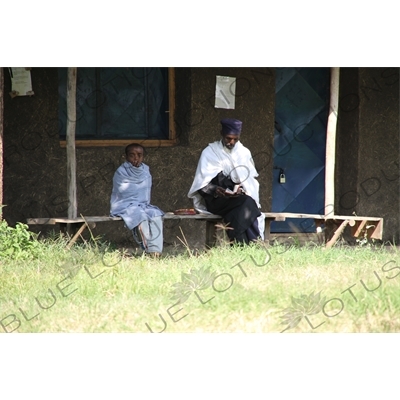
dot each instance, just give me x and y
(367, 169)
(35, 164)
(378, 172)
(346, 168)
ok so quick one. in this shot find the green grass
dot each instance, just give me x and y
(241, 289)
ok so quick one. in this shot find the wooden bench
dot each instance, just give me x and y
(365, 227)
(370, 227)
(79, 224)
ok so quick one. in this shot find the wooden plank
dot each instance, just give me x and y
(71, 157)
(378, 231)
(171, 105)
(1, 137)
(211, 232)
(121, 143)
(292, 215)
(354, 218)
(42, 221)
(52, 221)
(205, 217)
(267, 230)
(268, 216)
(336, 235)
(331, 141)
(77, 234)
(358, 228)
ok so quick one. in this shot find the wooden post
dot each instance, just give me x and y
(71, 157)
(1, 137)
(331, 142)
(210, 234)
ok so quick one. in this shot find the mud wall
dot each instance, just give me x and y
(367, 169)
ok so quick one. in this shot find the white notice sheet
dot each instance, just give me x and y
(225, 90)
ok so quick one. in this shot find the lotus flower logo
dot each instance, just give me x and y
(196, 279)
(302, 307)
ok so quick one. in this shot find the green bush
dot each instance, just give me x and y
(17, 243)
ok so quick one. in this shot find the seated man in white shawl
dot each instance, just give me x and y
(130, 200)
(227, 164)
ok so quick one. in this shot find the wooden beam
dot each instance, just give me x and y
(1, 137)
(358, 229)
(75, 237)
(171, 104)
(267, 230)
(121, 143)
(337, 233)
(71, 157)
(211, 232)
(331, 141)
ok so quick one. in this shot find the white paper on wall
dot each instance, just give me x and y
(21, 83)
(225, 90)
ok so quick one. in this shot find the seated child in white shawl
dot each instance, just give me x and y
(130, 200)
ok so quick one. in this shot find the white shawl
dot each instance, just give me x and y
(130, 197)
(236, 163)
